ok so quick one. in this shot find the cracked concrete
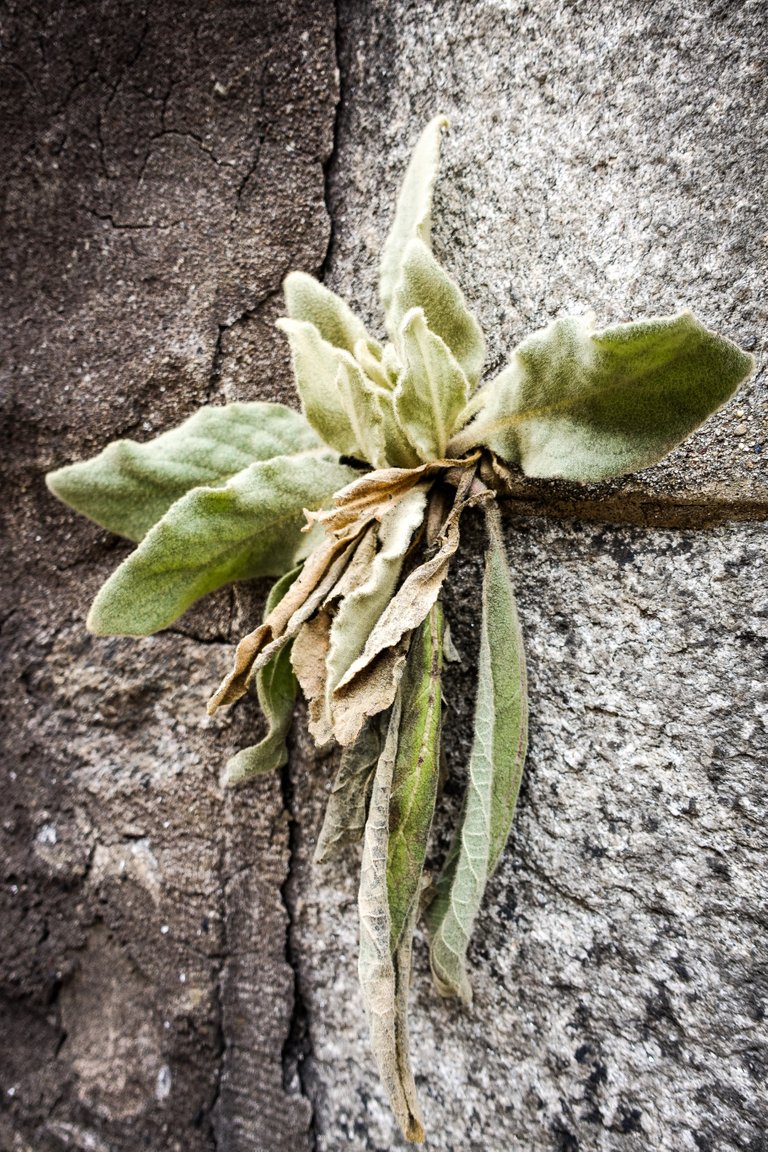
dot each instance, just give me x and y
(162, 177)
(174, 972)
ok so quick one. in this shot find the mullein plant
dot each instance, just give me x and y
(354, 505)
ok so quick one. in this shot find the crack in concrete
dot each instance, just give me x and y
(297, 1049)
(218, 987)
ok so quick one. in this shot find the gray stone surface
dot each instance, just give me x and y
(164, 170)
(603, 155)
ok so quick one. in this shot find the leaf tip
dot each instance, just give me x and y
(414, 1131)
(94, 621)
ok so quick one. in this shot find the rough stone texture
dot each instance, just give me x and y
(608, 155)
(164, 169)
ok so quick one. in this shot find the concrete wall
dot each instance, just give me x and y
(173, 972)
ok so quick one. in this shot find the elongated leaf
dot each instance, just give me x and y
(309, 654)
(495, 770)
(347, 808)
(586, 405)
(432, 390)
(317, 365)
(416, 771)
(250, 527)
(424, 284)
(348, 410)
(384, 977)
(366, 406)
(364, 602)
(276, 688)
(307, 299)
(372, 361)
(413, 212)
(129, 486)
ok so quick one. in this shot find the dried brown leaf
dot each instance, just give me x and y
(371, 692)
(372, 495)
(320, 573)
(308, 656)
(416, 596)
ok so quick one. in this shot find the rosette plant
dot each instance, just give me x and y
(355, 504)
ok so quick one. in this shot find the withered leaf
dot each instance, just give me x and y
(418, 593)
(371, 496)
(384, 977)
(365, 595)
(309, 653)
(319, 574)
(372, 691)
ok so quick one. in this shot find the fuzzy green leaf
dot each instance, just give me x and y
(413, 213)
(432, 390)
(416, 771)
(424, 284)
(129, 486)
(347, 409)
(495, 770)
(585, 405)
(276, 688)
(384, 976)
(306, 299)
(250, 527)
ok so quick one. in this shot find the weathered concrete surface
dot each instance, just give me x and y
(163, 171)
(609, 155)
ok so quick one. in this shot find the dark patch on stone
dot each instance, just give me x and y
(630, 1120)
(160, 177)
(718, 867)
(564, 1139)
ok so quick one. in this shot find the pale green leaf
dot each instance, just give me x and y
(424, 284)
(384, 976)
(307, 299)
(413, 212)
(432, 390)
(416, 772)
(347, 807)
(585, 405)
(495, 770)
(250, 527)
(345, 407)
(276, 688)
(371, 360)
(129, 486)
